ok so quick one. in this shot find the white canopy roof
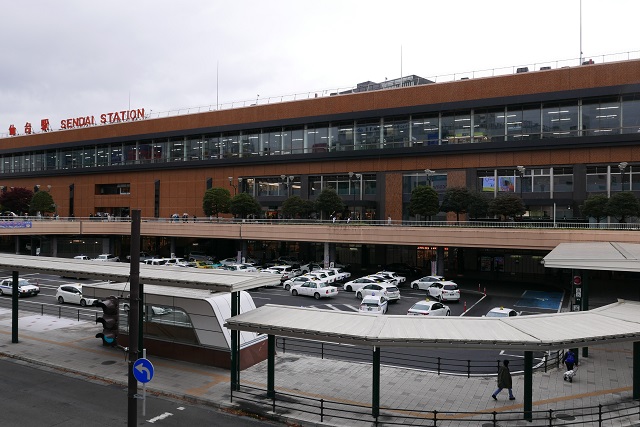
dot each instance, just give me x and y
(200, 278)
(619, 321)
(609, 256)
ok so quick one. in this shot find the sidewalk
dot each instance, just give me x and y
(71, 347)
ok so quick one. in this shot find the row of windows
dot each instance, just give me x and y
(588, 117)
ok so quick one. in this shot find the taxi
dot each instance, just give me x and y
(373, 304)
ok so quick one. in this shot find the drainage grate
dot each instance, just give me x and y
(109, 362)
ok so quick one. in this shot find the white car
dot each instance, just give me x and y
(72, 293)
(354, 285)
(424, 282)
(429, 308)
(240, 267)
(107, 258)
(332, 277)
(25, 288)
(177, 262)
(309, 267)
(82, 257)
(300, 280)
(387, 290)
(373, 305)
(444, 291)
(320, 276)
(502, 312)
(229, 261)
(385, 278)
(399, 278)
(286, 271)
(315, 289)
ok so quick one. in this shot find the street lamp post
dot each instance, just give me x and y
(521, 170)
(287, 180)
(429, 174)
(235, 187)
(622, 166)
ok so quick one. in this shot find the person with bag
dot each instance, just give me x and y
(504, 381)
(569, 359)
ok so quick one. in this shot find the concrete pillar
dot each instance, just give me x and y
(172, 245)
(440, 260)
(327, 255)
(54, 246)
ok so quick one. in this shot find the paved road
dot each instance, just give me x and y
(36, 397)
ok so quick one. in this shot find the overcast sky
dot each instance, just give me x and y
(67, 59)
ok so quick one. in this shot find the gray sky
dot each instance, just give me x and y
(66, 59)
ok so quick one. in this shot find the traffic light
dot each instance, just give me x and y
(109, 320)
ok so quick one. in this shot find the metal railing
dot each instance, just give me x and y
(434, 364)
(325, 410)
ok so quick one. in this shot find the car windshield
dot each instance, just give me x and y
(422, 306)
(450, 287)
(498, 314)
(371, 303)
(392, 289)
(323, 285)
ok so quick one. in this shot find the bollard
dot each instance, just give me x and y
(485, 291)
(464, 308)
(478, 287)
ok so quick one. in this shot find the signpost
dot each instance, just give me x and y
(143, 372)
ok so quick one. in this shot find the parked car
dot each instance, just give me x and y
(429, 308)
(239, 267)
(155, 261)
(373, 304)
(385, 277)
(177, 262)
(389, 291)
(300, 280)
(205, 264)
(72, 293)
(143, 257)
(198, 256)
(287, 271)
(399, 278)
(444, 291)
(321, 276)
(331, 274)
(25, 288)
(310, 266)
(287, 260)
(502, 312)
(229, 261)
(82, 257)
(315, 289)
(107, 258)
(403, 268)
(354, 285)
(424, 282)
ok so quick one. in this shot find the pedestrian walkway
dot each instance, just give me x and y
(71, 347)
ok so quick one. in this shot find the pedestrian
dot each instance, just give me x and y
(569, 359)
(348, 220)
(504, 381)
(389, 220)
(185, 217)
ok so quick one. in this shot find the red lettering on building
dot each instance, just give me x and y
(44, 125)
(27, 128)
(12, 130)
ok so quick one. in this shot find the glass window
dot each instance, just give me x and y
(425, 129)
(600, 116)
(130, 154)
(315, 185)
(488, 125)
(631, 114)
(342, 136)
(318, 139)
(38, 161)
(396, 132)
(194, 147)
(176, 149)
(541, 180)
(88, 156)
(507, 180)
(160, 152)
(230, 145)
(368, 135)
(596, 178)
(145, 151)
(271, 187)
(562, 179)
(486, 180)
(272, 142)
(560, 120)
(211, 149)
(51, 160)
(293, 141)
(523, 122)
(456, 128)
(250, 144)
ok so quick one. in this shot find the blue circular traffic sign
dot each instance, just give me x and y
(143, 370)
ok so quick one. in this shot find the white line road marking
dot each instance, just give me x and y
(332, 307)
(352, 307)
(160, 417)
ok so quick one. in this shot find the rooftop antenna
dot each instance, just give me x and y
(401, 75)
(580, 33)
(217, 104)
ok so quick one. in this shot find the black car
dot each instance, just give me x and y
(403, 269)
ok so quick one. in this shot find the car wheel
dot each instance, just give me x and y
(294, 293)
(348, 289)
(358, 295)
(83, 303)
(415, 286)
(316, 295)
(448, 313)
(61, 300)
(440, 297)
(287, 287)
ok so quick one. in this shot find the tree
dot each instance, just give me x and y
(478, 206)
(424, 201)
(595, 206)
(456, 199)
(328, 202)
(41, 202)
(216, 200)
(295, 206)
(16, 200)
(244, 204)
(623, 205)
(507, 206)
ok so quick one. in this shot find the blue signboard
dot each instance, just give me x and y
(15, 224)
(143, 370)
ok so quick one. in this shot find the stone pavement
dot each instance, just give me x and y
(70, 346)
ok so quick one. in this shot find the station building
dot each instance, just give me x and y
(551, 136)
